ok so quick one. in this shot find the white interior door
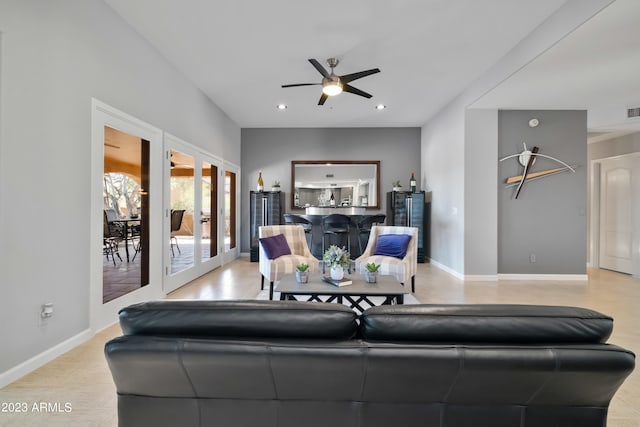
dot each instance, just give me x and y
(617, 189)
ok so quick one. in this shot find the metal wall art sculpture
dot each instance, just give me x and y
(527, 159)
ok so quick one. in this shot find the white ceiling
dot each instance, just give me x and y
(596, 67)
(240, 52)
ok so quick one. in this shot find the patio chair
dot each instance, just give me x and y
(176, 223)
(111, 239)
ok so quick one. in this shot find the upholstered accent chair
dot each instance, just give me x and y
(273, 268)
(402, 267)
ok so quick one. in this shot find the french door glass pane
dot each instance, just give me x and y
(125, 196)
(209, 210)
(182, 194)
(229, 210)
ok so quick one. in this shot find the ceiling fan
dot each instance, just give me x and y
(333, 84)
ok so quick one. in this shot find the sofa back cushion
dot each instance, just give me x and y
(489, 323)
(263, 319)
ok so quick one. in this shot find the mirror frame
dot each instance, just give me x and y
(375, 163)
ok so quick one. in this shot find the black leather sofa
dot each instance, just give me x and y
(286, 364)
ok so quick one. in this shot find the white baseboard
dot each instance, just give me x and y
(481, 277)
(446, 269)
(470, 277)
(567, 277)
(43, 358)
(496, 277)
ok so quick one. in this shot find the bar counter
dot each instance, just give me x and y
(328, 210)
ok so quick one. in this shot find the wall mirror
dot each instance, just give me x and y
(347, 183)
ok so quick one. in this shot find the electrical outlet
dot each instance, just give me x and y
(46, 310)
(532, 258)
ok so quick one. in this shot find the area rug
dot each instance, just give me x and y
(408, 298)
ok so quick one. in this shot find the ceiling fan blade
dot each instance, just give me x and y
(354, 76)
(322, 99)
(355, 91)
(319, 67)
(302, 84)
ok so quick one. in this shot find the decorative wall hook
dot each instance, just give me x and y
(527, 158)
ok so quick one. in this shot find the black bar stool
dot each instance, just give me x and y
(336, 225)
(364, 228)
(305, 223)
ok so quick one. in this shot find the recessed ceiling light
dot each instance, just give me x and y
(281, 107)
(380, 107)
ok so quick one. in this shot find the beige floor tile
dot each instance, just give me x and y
(82, 378)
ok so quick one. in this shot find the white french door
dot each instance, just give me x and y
(146, 267)
(191, 212)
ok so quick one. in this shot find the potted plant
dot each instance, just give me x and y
(275, 186)
(371, 275)
(302, 273)
(396, 185)
(336, 259)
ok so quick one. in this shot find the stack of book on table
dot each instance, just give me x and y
(341, 282)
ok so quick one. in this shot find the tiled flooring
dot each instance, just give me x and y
(82, 379)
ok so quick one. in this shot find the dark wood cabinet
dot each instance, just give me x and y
(265, 208)
(408, 209)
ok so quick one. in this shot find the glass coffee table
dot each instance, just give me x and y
(387, 289)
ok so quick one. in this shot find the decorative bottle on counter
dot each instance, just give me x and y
(260, 182)
(332, 200)
(412, 183)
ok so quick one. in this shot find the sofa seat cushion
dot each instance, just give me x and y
(489, 323)
(264, 319)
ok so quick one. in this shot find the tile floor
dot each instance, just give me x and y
(81, 378)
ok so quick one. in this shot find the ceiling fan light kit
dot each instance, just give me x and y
(331, 87)
(333, 84)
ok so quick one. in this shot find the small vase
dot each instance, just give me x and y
(302, 276)
(337, 272)
(370, 276)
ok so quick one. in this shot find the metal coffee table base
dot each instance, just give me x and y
(354, 301)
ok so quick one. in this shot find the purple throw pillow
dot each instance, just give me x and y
(275, 246)
(394, 245)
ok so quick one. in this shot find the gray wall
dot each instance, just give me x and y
(443, 173)
(480, 196)
(271, 150)
(56, 56)
(549, 217)
(444, 150)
